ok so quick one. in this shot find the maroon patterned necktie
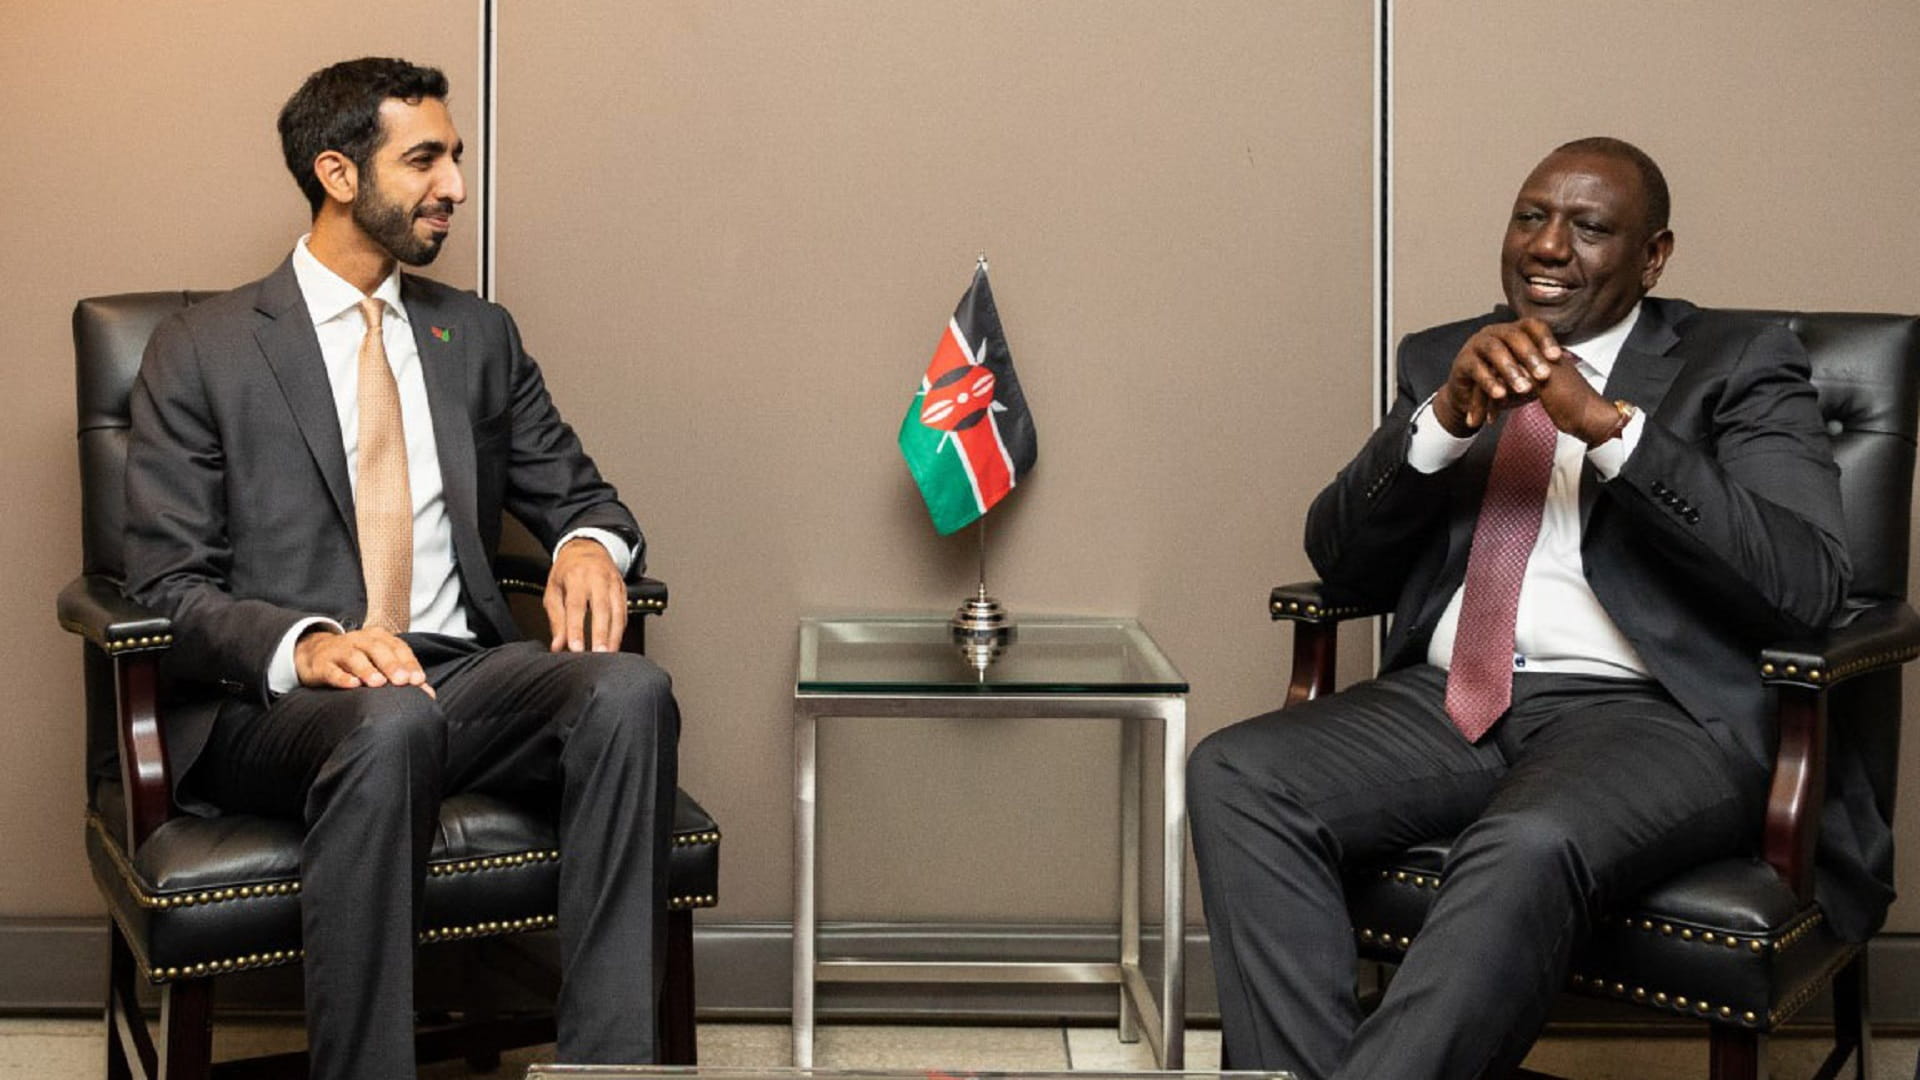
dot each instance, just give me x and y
(1480, 680)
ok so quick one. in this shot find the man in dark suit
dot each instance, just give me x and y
(1588, 511)
(315, 478)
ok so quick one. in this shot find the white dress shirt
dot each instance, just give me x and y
(334, 305)
(1560, 626)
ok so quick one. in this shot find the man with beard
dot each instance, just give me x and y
(1588, 512)
(315, 477)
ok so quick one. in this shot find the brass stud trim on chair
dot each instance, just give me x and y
(493, 862)
(114, 646)
(490, 928)
(695, 839)
(1814, 673)
(1411, 877)
(168, 901)
(1596, 984)
(1808, 991)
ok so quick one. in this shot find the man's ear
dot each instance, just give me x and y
(1659, 250)
(338, 175)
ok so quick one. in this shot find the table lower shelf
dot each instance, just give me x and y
(1128, 976)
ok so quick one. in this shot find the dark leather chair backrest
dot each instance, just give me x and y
(109, 336)
(1867, 369)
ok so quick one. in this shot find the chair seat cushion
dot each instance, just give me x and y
(204, 896)
(1726, 941)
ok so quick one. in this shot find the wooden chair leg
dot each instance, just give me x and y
(126, 1026)
(1851, 1030)
(186, 1023)
(1736, 1053)
(675, 1022)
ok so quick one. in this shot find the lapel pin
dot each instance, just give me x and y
(441, 333)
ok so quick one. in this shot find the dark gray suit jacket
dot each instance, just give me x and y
(240, 513)
(1722, 533)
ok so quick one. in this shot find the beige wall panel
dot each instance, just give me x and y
(733, 232)
(1786, 131)
(140, 153)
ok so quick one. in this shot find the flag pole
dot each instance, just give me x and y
(982, 534)
(981, 627)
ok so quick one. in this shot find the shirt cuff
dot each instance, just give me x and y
(1611, 456)
(1433, 447)
(616, 546)
(282, 676)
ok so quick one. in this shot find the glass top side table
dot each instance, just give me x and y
(908, 667)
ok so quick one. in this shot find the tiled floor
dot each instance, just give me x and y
(72, 1049)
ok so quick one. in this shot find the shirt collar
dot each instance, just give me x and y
(329, 296)
(1601, 350)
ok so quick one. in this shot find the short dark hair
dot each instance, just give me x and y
(1651, 178)
(338, 108)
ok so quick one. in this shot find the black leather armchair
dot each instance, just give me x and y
(192, 898)
(1745, 943)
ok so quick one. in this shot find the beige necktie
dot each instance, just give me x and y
(383, 504)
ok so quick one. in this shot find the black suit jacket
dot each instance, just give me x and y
(1722, 533)
(239, 509)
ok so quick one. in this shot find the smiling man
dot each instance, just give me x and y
(316, 474)
(1587, 510)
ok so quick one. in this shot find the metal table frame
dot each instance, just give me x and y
(1165, 1025)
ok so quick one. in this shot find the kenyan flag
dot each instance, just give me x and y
(967, 436)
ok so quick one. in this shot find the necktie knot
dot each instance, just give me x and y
(372, 310)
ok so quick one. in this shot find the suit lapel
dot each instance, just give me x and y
(292, 350)
(1642, 374)
(443, 345)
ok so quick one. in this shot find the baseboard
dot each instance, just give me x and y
(58, 965)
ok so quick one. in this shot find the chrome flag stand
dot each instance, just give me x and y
(981, 628)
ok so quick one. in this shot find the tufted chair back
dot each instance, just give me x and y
(1867, 369)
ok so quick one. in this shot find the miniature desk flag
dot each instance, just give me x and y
(967, 435)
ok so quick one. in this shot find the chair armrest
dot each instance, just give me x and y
(133, 637)
(1316, 613)
(93, 606)
(1875, 638)
(527, 576)
(1312, 602)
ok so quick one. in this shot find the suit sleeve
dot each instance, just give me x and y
(1366, 528)
(1752, 514)
(179, 554)
(553, 487)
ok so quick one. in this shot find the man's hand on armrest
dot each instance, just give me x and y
(585, 590)
(368, 657)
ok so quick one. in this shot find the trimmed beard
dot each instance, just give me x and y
(391, 226)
